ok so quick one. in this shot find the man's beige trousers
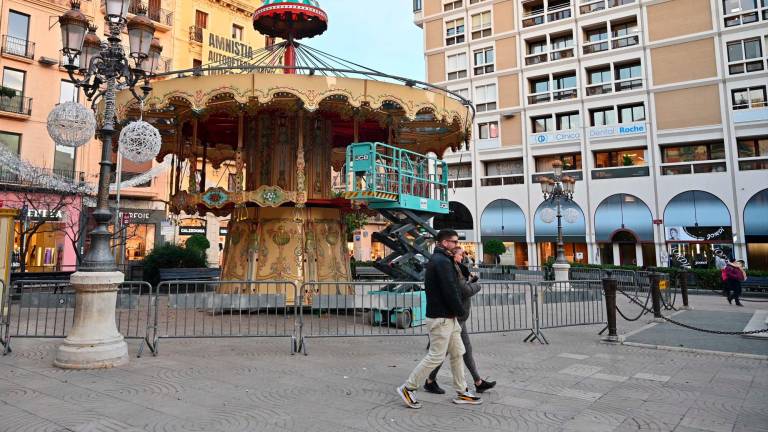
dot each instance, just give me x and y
(444, 337)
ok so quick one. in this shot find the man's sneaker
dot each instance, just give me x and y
(432, 387)
(485, 385)
(408, 397)
(467, 398)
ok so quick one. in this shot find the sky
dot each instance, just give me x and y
(379, 34)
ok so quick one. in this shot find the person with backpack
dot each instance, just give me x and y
(733, 275)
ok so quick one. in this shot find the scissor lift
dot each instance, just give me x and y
(406, 188)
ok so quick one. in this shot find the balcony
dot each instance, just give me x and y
(196, 34)
(561, 54)
(576, 174)
(18, 47)
(16, 105)
(590, 6)
(617, 42)
(599, 88)
(460, 183)
(35, 179)
(699, 167)
(538, 98)
(620, 172)
(502, 180)
(628, 84)
(565, 94)
(539, 15)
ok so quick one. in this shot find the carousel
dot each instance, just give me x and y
(281, 120)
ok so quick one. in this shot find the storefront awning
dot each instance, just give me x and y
(623, 212)
(545, 227)
(756, 218)
(502, 220)
(696, 216)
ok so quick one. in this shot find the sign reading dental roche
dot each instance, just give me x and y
(618, 130)
(554, 137)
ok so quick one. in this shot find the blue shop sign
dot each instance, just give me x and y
(618, 130)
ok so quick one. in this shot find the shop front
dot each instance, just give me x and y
(574, 232)
(460, 220)
(756, 230)
(503, 220)
(139, 233)
(624, 231)
(697, 227)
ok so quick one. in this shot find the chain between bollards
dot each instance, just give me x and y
(609, 289)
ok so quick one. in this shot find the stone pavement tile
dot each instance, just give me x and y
(581, 370)
(681, 428)
(105, 425)
(644, 423)
(702, 419)
(573, 356)
(652, 377)
(723, 407)
(752, 423)
(587, 426)
(13, 419)
(659, 408)
(609, 377)
(580, 394)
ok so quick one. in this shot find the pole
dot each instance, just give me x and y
(655, 295)
(609, 288)
(684, 289)
(289, 58)
(560, 246)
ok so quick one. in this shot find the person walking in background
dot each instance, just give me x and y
(468, 288)
(734, 276)
(444, 305)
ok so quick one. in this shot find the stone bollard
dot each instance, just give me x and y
(609, 288)
(684, 290)
(655, 296)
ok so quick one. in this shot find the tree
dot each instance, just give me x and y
(171, 256)
(495, 248)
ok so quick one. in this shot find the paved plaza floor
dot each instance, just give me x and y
(576, 383)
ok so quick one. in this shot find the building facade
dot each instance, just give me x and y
(656, 107)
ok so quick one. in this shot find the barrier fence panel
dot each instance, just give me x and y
(210, 309)
(513, 273)
(570, 303)
(501, 307)
(4, 318)
(46, 309)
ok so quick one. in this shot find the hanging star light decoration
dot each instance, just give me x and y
(71, 124)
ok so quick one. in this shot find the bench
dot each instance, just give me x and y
(369, 273)
(755, 284)
(189, 274)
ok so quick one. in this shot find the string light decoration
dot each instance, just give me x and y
(71, 124)
(28, 174)
(140, 141)
(146, 176)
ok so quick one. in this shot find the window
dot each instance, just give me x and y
(595, 40)
(462, 92)
(481, 25)
(504, 167)
(11, 141)
(602, 116)
(237, 32)
(269, 41)
(617, 158)
(451, 5)
(14, 80)
(417, 5)
(746, 98)
(197, 63)
(631, 113)
(597, 35)
(18, 35)
(599, 80)
(561, 47)
(570, 162)
(68, 92)
(454, 31)
(463, 170)
(693, 152)
(628, 76)
(485, 97)
(739, 12)
(488, 130)
(541, 124)
(736, 6)
(752, 147)
(201, 19)
(475, 1)
(564, 86)
(539, 85)
(624, 29)
(457, 66)
(745, 56)
(484, 61)
(568, 121)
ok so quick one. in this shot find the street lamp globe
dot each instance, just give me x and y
(117, 9)
(140, 33)
(155, 49)
(91, 48)
(557, 168)
(73, 25)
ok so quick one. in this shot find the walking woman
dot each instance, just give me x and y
(469, 287)
(734, 276)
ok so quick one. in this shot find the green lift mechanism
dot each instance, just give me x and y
(406, 188)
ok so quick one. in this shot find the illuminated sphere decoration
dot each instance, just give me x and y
(140, 141)
(71, 124)
(547, 215)
(571, 215)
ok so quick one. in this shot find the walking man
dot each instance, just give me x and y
(444, 306)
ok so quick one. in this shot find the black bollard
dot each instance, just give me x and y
(609, 288)
(684, 289)
(655, 294)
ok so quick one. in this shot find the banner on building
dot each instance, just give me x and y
(698, 233)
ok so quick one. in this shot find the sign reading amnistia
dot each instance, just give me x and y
(226, 51)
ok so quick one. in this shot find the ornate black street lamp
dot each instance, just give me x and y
(104, 67)
(556, 190)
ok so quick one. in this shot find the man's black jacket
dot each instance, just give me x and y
(441, 282)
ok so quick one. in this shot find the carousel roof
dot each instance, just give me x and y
(290, 19)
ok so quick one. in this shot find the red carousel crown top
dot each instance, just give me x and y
(290, 19)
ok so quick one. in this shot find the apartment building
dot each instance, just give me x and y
(656, 107)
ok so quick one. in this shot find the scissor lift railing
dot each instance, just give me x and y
(408, 189)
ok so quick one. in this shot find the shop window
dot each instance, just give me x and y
(631, 113)
(570, 162)
(541, 124)
(483, 61)
(504, 167)
(745, 56)
(693, 152)
(481, 25)
(140, 240)
(454, 31)
(749, 98)
(488, 130)
(457, 66)
(568, 121)
(485, 97)
(602, 116)
(619, 158)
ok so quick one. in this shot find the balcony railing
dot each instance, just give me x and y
(16, 104)
(599, 88)
(699, 167)
(538, 98)
(540, 15)
(562, 53)
(537, 58)
(747, 104)
(751, 164)
(589, 6)
(18, 47)
(37, 178)
(613, 43)
(750, 65)
(460, 183)
(577, 174)
(625, 41)
(594, 47)
(565, 94)
(628, 84)
(196, 34)
(620, 172)
(157, 15)
(502, 180)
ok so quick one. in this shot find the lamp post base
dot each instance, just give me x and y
(94, 341)
(561, 271)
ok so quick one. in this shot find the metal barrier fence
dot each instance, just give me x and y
(514, 273)
(46, 309)
(211, 309)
